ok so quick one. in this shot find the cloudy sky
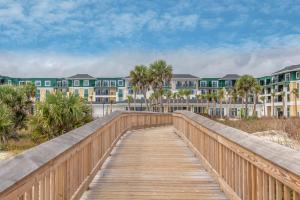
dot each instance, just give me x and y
(44, 38)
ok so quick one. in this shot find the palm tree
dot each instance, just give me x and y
(135, 90)
(175, 96)
(273, 94)
(295, 92)
(245, 86)
(235, 97)
(263, 98)
(181, 95)
(208, 97)
(168, 94)
(187, 93)
(198, 97)
(256, 91)
(140, 78)
(221, 95)
(129, 101)
(214, 97)
(161, 74)
(156, 96)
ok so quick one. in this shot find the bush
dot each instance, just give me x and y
(58, 114)
(6, 123)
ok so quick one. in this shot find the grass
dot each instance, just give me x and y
(16, 145)
(291, 126)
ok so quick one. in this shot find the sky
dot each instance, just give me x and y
(207, 38)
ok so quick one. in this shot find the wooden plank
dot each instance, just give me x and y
(153, 164)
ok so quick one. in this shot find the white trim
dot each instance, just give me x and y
(121, 85)
(86, 83)
(47, 83)
(77, 83)
(38, 83)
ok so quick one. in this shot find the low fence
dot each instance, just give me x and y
(62, 168)
(245, 166)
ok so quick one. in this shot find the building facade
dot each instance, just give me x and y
(279, 96)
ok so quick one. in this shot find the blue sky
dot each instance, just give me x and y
(110, 37)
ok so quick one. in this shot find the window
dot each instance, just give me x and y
(86, 83)
(65, 83)
(113, 83)
(76, 83)
(297, 75)
(86, 92)
(120, 83)
(105, 83)
(37, 83)
(287, 77)
(76, 92)
(47, 83)
(21, 82)
(214, 83)
(9, 82)
(203, 83)
(97, 83)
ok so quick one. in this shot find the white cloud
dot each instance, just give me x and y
(200, 62)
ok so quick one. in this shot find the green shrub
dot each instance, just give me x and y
(58, 114)
(6, 123)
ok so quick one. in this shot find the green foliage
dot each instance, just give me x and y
(6, 122)
(58, 114)
(18, 100)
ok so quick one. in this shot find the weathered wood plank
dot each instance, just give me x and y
(153, 164)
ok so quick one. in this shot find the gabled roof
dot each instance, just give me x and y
(184, 76)
(288, 69)
(81, 76)
(231, 77)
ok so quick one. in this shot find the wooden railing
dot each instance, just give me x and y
(63, 167)
(245, 166)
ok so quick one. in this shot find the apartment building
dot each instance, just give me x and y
(278, 97)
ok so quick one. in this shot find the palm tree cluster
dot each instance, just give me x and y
(58, 114)
(154, 77)
(15, 106)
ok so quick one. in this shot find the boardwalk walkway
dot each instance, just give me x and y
(153, 163)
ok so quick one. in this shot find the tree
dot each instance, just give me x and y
(199, 98)
(175, 96)
(58, 114)
(6, 122)
(207, 97)
(140, 78)
(245, 86)
(129, 101)
(273, 94)
(221, 95)
(161, 75)
(263, 99)
(135, 90)
(181, 94)
(214, 97)
(187, 93)
(295, 92)
(168, 95)
(235, 97)
(256, 91)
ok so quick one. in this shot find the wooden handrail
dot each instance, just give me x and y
(62, 168)
(245, 166)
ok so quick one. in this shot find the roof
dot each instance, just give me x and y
(288, 69)
(230, 77)
(184, 76)
(81, 76)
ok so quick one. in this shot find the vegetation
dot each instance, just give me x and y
(23, 124)
(245, 86)
(156, 76)
(58, 114)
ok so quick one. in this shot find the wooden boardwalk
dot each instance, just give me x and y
(153, 163)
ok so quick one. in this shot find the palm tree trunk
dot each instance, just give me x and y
(296, 107)
(246, 106)
(221, 106)
(145, 99)
(254, 107)
(134, 101)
